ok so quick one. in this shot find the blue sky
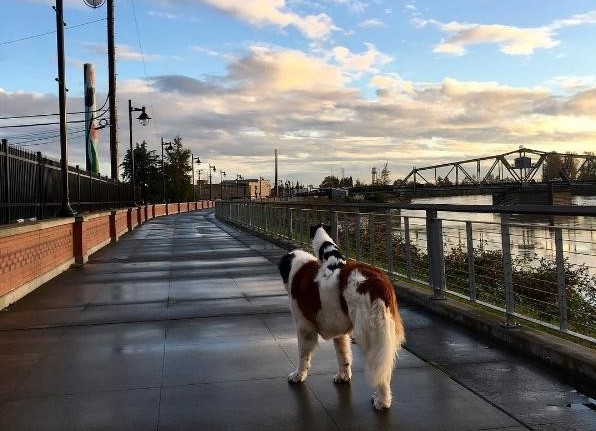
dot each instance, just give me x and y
(333, 84)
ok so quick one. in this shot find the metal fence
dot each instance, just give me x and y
(31, 187)
(531, 263)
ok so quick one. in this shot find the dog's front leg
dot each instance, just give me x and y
(343, 350)
(307, 341)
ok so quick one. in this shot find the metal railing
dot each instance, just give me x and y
(30, 187)
(530, 263)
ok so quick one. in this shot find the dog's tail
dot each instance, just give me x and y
(386, 336)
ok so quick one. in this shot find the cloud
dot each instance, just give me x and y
(511, 40)
(123, 52)
(354, 6)
(372, 23)
(275, 12)
(304, 106)
(364, 62)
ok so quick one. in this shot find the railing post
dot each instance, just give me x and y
(78, 170)
(6, 179)
(434, 241)
(471, 266)
(40, 210)
(389, 239)
(408, 247)
(562, 292)
(507, 272)
(290, 224)
(371, 238)
(334, 231)
(346, 244)
(357, 235)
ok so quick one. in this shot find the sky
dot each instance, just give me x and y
(337, 86)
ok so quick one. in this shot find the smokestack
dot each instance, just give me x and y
(276, 189)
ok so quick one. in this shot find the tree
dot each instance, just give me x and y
(147, 172)
(177, 168)
(346, 182)
(588, 170)
(330, 181)
(384, 178)
(552, 167)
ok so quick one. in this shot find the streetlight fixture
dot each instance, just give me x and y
(221, 173)
(211, 169)
(163, 172)
(199, 171)
(192, 165)
(143, 120)
(261, 188)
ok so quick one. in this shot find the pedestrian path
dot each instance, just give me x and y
(184, 325)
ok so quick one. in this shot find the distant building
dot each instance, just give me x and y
(249, 188)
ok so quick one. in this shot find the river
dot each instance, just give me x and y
(531, 236)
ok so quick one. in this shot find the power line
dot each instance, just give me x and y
(15, 117)
(49, 32)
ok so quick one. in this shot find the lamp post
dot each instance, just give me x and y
(163, 174)
(238, 178)
(261, 188)
(211, 168)
(221, 174)
(143, 120)
(192, 166)
(200, 195)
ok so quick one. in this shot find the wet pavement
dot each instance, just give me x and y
(185, 325)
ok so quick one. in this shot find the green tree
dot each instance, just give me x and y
(147, 172)
(330, 181)
(346, 182)
(551, 167)
(177, 168)
(384, 178)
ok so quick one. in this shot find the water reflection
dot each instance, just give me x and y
(532, 236)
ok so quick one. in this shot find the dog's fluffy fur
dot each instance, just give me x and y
(335, 298)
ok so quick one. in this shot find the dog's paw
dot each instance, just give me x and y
(296, 377)
(379, 403)
(342, 377)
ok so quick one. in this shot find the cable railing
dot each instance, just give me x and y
(528, 263)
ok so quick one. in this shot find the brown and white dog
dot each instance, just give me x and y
(335, 298)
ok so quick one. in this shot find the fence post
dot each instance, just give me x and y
(78, 170)
(471, 267)
(389, 238)
(562, 292)
(507, 272)
(334, 231)
(408, 247)
(6, 179)
(371, 238)
(346, 244)
(39, 190)
(434, 241)
(357, 234)
(290, 224)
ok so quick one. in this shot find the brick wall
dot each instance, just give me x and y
(35, 252)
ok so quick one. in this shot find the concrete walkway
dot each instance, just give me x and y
(184, 325)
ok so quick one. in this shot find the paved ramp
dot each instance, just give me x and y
(184, 325)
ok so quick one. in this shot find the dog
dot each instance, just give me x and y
(338, 298)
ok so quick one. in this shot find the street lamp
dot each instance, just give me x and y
(163, 174)
(238, 178)
(143, 120)
(261, 188)
(211, 168)
(221, 173)
(192, 165)
(199, 171)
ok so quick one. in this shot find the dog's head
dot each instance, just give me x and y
(291, 262)
(320, 239)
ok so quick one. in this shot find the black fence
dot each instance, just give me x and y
(31, 187)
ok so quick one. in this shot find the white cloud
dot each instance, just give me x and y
(275, 12)
(372, 23)
(123, 52)
(367, 61)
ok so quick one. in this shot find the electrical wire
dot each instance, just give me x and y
(50, 32)
(52, 115)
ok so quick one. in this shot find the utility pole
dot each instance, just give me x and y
(112, 92)
(66, 210)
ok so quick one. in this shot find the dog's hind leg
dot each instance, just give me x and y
(343, 350)
(307, 341)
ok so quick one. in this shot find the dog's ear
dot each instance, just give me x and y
(285, 266)
(313, 229)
